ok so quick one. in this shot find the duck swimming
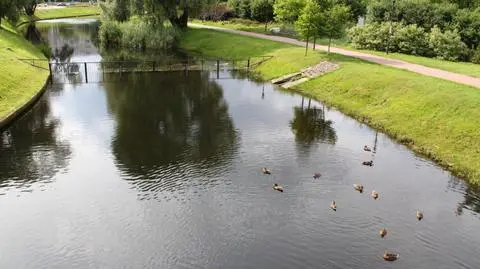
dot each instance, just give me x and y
(383, 232)
(266, 171)
(333, 206)
(358, 187)
(368, 163)
(317, 175)
(390, 256)
(375, 195)
(367, 148)
(278, 187)
(419, 215)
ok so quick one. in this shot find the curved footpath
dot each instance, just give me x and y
(432, 72)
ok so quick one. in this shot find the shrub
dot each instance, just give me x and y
(374, 36)
(137, 34)
(476, 56)
(411, 39)
(110, 34)
(447, 45)
(216, 12)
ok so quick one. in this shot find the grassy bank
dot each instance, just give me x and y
(65, 12)
(19, 80)
(465, 68)
(434, 117)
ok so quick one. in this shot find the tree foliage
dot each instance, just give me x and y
(262, 10)
(9, 9)
(30, 6)
(288, 11)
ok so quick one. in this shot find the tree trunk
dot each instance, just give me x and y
(180, 22)
(266, 22)
(306, 46)
(314, 41)
(30, 8)
(329, 43)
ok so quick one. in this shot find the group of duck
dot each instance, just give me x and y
(388, 256)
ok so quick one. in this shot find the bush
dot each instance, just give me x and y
(447, 45)
(412, 39)
(216, 12)
(137, 34)
(110, 34)
(476, 56)
(423, 13)
(374, 36)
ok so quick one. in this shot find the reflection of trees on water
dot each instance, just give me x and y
(167, 119)
(30, 149)
(471, 195)
(310, 126)
(32, 34)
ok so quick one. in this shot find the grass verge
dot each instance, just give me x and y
(65, 12)
(434, 117)
(19, 81)
(464, 68)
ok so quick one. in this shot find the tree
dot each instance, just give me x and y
(288, 11)
(309, 22)
(335, 20)
(241, 8)
(262, 11)
(9, 9)
(30, 6)
(357, 8)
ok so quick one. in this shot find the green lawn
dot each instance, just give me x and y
(433, 116)
(19, 81)
(465, 68)
(70, 11)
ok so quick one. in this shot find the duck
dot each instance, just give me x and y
(358, 187)
(368, 163)
(333, 206)
(375, 195)
(367, 148)
(388, 256)
(266, 171)
(419, 215)
(383, 232)
(278, 187)
(317, 175)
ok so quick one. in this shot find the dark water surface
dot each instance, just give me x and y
(163, 171)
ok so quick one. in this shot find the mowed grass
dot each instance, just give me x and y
(19, 81)
(64, 12)
(464, 68)
(438, 118)
(287, 58)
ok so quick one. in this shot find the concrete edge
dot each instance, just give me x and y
(17, 113)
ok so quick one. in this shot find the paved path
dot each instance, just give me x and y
(433, 72)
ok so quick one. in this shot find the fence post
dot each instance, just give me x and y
(51, 74)
(103, 72)
(248, 64)
(218, 69)
(86, 72)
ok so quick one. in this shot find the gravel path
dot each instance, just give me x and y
(433, 72)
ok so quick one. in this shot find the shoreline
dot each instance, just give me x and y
(408, 107)
(9, 119)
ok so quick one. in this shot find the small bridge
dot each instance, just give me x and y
(96, 72)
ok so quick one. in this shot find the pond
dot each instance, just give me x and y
(163, 170)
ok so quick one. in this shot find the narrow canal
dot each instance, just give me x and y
(162, 170)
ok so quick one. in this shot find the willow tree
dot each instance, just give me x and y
(9, 9)
(30, 6)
